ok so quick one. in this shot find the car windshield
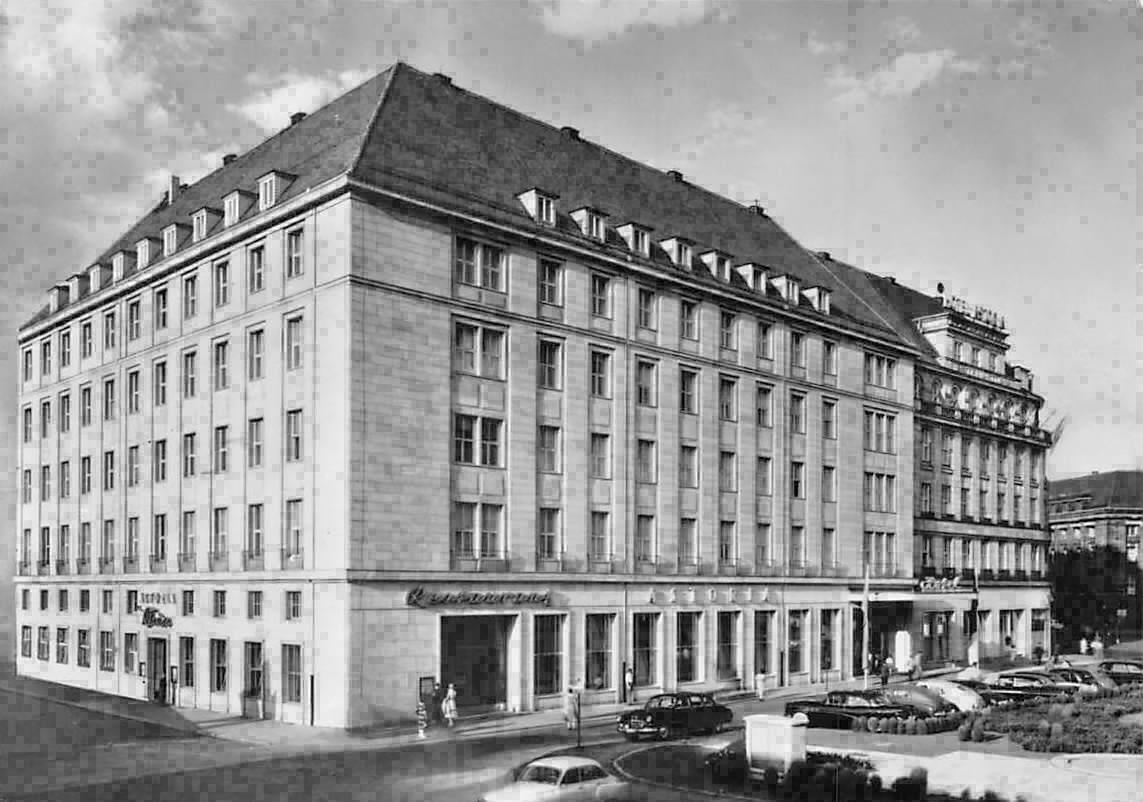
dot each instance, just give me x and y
(548, 775)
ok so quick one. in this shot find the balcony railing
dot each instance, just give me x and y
(62, 567)
(292, 559)
(646, 565)
(796, 568)
(43, 567)
(600, 563)
(728, 567)
(82, 566)
(688, 566)
(553, 564)
(219, 561)
(130, 565)
(187, 562)
(253, 560)
(766, 568)
(158, 564)
(106, 565)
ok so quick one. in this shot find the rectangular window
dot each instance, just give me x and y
(797, 480)
(221, 284)
(880, 371)
(645, 467)
(190, 296)
(160, 383)
(727, 543)
(688, 319)
(43, 645)
(727, 399)
(186, 661)
(253, 443)
(688, 391)
(106, 650)
(109, 331)
(190, 364)
(253, 604)
(765, 340)
(295, 247)
(829, 419)
(108, 399)
(221, 365)
(86, 344)
(130, 651)
(688, 466)
(797, 349)
(880, 432)
(551, 364)
(829, 548)
(763, 404)
(645, 384)
(85, 406)
(219, 606)
(829, 483)
(551, 282)
(726, 659)
(218, 665)
(764, 477)
(132, 466)
(794, 641)
(688, 633)
(763, 641)
(829, 358)
(61, 644)
(160, 309)
(797, 547)
(134, 385)
(479, 351)
(728, 331)
(187, 602)
(189, 455)
(688, 541)
(548, 445)
(479, 265)
(600, 456)
(108, 470)
(291, 673)
(134, 320)
(254, 530)
(727, 471)
(600, 545)
(45, 358)
(797, 413)
(221, 452)
(294, 435)
(828, 640)
(645, 538)
(646, 311)
(645, 627)
(549, 546)
(926, 445)
(600, 296)
(255, 351)
(926, 498)
(601, 374)
(293, 605)
(293, 342)
(597, 651)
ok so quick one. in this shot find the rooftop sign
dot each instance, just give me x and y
(981, 314)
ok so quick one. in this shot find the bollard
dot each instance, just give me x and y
(422, 718)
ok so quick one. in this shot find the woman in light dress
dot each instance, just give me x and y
(448, 706)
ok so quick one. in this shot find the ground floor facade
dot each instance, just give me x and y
(359, 653)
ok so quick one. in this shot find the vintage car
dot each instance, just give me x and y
(959, 696)
(1034, 682)
(991, 694)
(1087, 676)
(670, 715)
(561, 778)
(922, 698)
(1122, 672)
(838, 709)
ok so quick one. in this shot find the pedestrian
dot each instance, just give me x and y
(435, 704)
(571, 703)
(915, 671)
(448, 706)
(886, 670)
(1083, 645)
(629, 682)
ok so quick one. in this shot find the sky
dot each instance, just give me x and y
(993, 147)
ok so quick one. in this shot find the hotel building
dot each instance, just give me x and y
(421, 387)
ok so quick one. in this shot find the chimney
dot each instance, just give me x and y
(173, 190)
(675, 174)
(824, 256)
(228, 158)
(297, 117)
(757, 209)
(569, 132)
(444, 79)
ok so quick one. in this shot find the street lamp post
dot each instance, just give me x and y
(578, 718)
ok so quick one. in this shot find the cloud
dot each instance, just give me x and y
(279, 96)
(820, 47)
(905, 75)
(596, 20)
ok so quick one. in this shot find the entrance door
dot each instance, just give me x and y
(474, 658)
(157, 669)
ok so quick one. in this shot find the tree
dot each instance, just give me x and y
(1088, 587)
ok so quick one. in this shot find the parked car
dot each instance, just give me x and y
(838, 709)
(961, 697)
(669, 715)
(561, 778)
(1122, 671)
(1029, 682)
(1084, 681)
(991, 694)
(922, 698)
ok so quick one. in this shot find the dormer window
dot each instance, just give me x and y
(267, 191)
(117, 265)
(637, 237)
(170, 240)
(819, 299)
(540, 205)
(683, 254)
(789, 287)
(718, 264)
(594, 226)
(591, 223)
(231, 209)
(754, 275)
(639, 241)
(198, 225)
(545, 210)
(143, 253)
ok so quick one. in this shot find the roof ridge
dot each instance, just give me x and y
(373, 118)
(840, 280)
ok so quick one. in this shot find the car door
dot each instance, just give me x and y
(681, 714)
(572, 787)
(593, 782)
(702, 713)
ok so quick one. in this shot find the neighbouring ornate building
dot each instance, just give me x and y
(1103, 510)
(421, 387)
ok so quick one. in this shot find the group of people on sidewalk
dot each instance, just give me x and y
(441, 706)
(884, 667)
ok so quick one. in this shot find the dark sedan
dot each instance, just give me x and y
(990, 693)
(670, 715)
(838, 709)
(1123, 672)
(1031, 682)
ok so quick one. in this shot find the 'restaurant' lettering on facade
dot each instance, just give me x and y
(419, 597)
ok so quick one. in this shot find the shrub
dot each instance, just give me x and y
(911, 725)
(913, 788)
(922, 727)
(978, 731)
(855, 724)
(875, 786)
(871, 724)
(1056, 730)
(964, 732)
(847, 783)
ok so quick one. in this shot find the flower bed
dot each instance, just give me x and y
(1088, 725)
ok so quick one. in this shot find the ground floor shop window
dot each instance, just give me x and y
(763, 641)
(935, 636)
(291, 672)
(218, 665)
(646, 626)
(186, 661)
(549, 654)
(797, 626)
(106, 650)
(687, 647)
(252, 657)
(598, 651)
(828, 639)
(727, 658)
(83, 648)
(25, 641)
(1008, 619)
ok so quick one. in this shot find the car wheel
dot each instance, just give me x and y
(664, 733)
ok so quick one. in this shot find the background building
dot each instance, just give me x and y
(424, 388)
(1095, 522)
